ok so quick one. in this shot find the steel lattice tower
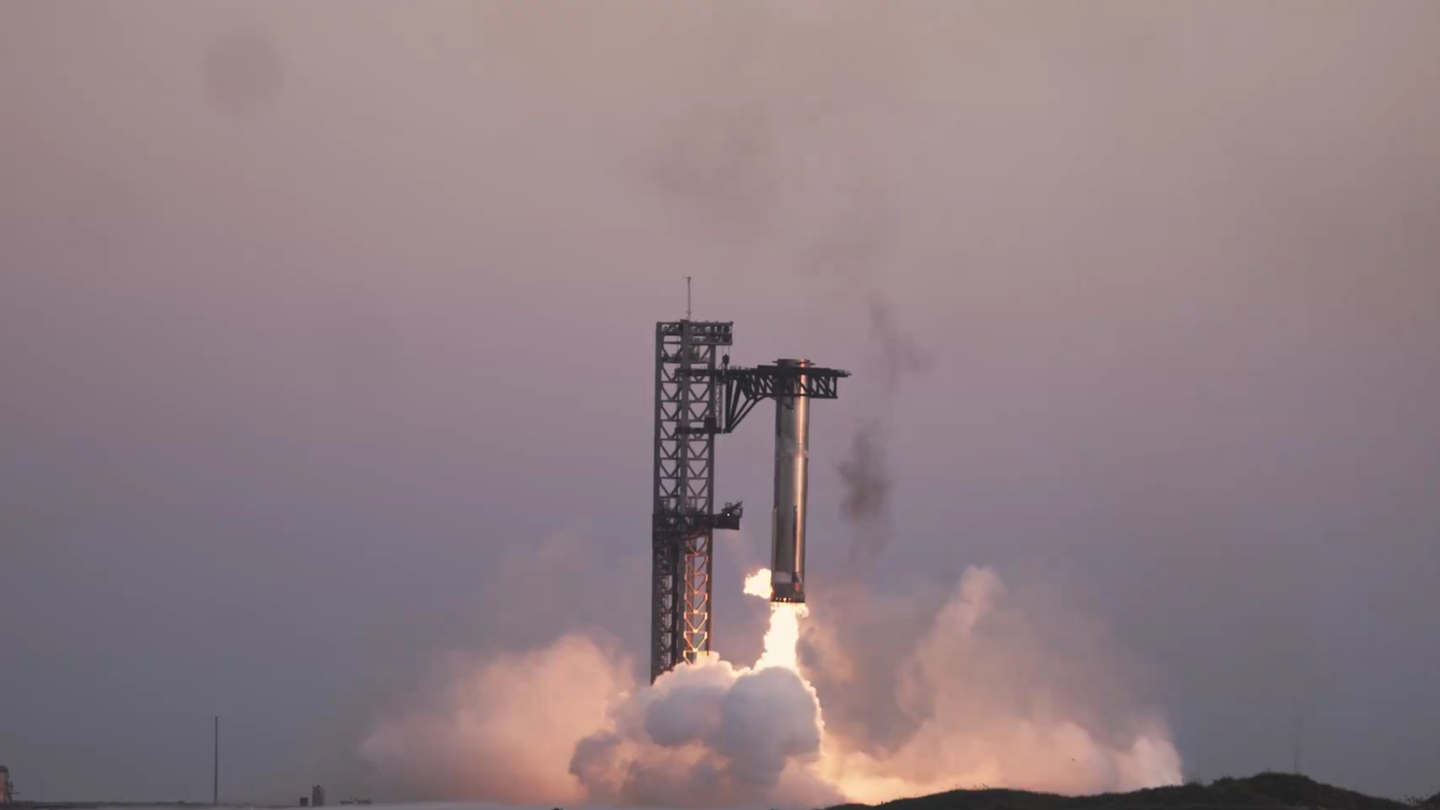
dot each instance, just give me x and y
(686, 406)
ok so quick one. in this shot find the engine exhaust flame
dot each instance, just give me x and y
(782, 639)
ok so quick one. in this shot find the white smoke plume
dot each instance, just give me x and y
(995, 700)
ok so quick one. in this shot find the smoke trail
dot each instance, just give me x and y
(865, 472)
(853, 252)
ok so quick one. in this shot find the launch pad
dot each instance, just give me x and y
(697, 397)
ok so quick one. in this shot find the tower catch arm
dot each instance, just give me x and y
(743, 388)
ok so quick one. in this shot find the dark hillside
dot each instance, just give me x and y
(1266, 791)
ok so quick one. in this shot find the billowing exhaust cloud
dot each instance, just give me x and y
(994, 694)
(502, 729)
(705, 735)
(713, 734)
(996, 699)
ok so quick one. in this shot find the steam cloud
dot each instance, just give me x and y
(993, 699)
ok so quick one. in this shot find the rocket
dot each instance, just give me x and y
(792, 468)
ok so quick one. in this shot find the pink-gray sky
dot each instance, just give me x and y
(317, 319)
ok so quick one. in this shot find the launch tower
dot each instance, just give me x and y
(698, 396)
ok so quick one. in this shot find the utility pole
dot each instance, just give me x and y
(215, 788)
(1297, 741)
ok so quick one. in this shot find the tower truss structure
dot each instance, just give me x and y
(683, 520)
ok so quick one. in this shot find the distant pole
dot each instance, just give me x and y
(215, 787)
(1297, 744)
(687, 298)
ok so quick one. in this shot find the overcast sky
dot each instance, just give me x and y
(326, 337)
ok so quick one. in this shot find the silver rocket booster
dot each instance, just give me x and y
(792, 468)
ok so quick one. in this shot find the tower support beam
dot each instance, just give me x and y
(687, 400)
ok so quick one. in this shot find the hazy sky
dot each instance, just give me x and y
(326, 334)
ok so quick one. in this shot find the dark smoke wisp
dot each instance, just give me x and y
(867, 479)
(865, 471)
(900, 355)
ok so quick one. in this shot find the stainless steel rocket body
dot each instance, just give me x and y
(792, 467)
